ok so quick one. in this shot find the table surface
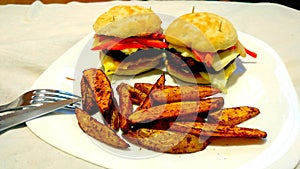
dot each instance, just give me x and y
(34, 36)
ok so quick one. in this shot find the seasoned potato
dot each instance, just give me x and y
(214, 130)
(125, 106)
(146, 103)
(175, 109)
(88, 99)
(98, 130)
(183, 93)
(100, 86)
(166, 141)
(233, 115)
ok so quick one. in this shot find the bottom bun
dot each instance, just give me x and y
(131, 66)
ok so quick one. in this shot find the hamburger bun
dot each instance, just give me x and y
(202, 31)
(124, 21)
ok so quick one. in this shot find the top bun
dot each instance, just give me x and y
(202, 31)
(124, 21)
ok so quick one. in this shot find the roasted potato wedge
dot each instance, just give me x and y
(88, 99)
(146, 103)
(137, 96)
(214, 130)
(165, 141)
(125, 105)
(233, 116)
(112, 116)
(101, 87)
(183, 93)
(165, 124)
(175, 109)
(103, 94)
(143, 87)
(98, 130)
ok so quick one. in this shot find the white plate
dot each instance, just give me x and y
(265, 84)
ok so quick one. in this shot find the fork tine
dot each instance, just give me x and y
(41, 96)
(37, 97)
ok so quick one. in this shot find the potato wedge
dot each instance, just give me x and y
(146, 103)
(233, 116)
(137, 96)
(112, 116)
(183, 93)
(143, 87)
(165, 124)
(175, 109)
(88, 100)
(214, 130)
(98, 130)
(101, 87)
(103, 94)
(165, 141)
(125, 106)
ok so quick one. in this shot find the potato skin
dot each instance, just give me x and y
(98, 130)
(88, 100)
(159, 84)
(96, 89)
(125, 106)
(233, 115)
(175, 109)
(215, 130)
(166, 141)
(183, 93)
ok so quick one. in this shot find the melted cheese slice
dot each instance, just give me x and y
(110, 64)
(219, 80)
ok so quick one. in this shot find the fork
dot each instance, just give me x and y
(36, 98)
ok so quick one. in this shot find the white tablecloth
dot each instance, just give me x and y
(33, 36)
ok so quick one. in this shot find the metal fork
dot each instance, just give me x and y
(36, 98)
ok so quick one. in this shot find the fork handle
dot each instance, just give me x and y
(3, 107)
(2, 111)
(14, 109)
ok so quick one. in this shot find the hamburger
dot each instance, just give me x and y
(202, 48)
(129, 40)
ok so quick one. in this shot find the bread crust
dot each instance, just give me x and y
(202, 31)
(124, 21)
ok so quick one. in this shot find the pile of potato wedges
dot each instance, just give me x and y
(159, 117)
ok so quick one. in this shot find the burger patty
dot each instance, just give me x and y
(141, 53)
(188, 63)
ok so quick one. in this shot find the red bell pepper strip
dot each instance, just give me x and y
(252, 54)
(121, 46)
(158, 36)
(131, 42)
(152, 43)
(205, 57)
(106, 44)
